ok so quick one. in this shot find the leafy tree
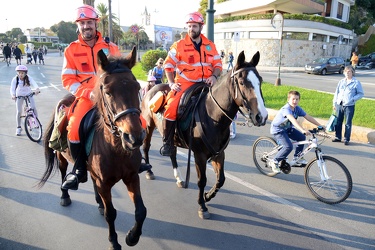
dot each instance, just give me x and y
(15, 33)
(103, 24)
(66, 31)
(131, 39)
(23, 39)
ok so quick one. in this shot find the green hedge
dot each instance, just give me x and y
(151, 57)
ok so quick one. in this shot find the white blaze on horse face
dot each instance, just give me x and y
(256, 84)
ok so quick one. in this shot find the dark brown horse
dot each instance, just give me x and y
(115, 153)
(212, 118)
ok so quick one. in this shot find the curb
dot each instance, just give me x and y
(359, 134)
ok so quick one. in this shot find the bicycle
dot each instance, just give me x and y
(33, 127)
(327, 178)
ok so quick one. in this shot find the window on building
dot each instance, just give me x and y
(296, 35)
(340, 9)
(319, 37)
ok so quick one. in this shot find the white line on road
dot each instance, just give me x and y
(54, 87)
(253, 187)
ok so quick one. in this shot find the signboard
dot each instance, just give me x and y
(236, 36)
(163, 34)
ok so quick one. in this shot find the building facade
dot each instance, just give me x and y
(300, 41)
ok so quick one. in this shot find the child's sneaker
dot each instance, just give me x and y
(300, 161)
(18, 131)
(275, 166)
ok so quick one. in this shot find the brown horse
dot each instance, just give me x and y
(115, 153)
(213, 115)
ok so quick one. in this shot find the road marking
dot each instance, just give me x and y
(251, 186)
(43, 75)
(54, 87)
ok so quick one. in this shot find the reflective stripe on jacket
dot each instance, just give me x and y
(80, 65)
(191, 65)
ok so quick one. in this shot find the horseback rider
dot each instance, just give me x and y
(194, 59)
(78, 77)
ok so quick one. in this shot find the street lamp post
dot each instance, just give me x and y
(278, 22)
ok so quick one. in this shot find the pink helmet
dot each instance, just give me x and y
(21, 68)
(86, 12)
(151, 79)
(195, 17)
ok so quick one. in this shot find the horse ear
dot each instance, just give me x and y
(102, 59)
(241, 58)
(132, 57)
(255, 60)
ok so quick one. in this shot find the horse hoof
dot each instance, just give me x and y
(150, 175)
(203, 214)
(180, 184)
(131, 240)
(115, 247)
(65, 202)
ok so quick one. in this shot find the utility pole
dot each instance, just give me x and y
(110, 20)
(210, 20)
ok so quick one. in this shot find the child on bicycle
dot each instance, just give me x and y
(21, 86)
(285, 127)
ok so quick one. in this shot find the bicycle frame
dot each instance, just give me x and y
(326, 177)
(312, 144)
(33, 127)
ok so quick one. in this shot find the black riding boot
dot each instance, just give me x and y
(168, 143)
(79, 173)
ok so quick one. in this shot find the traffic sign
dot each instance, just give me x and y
(134, 29)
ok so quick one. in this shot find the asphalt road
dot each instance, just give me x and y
(251, 211)
(326, 83)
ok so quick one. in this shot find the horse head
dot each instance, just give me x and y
(116, 97)
(248, 93)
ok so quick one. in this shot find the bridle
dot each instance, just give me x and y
(237, 89)
(111, 115)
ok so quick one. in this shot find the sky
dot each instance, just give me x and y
(46, 13)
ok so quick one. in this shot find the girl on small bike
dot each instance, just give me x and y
(22, 85)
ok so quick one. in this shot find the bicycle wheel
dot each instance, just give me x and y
(33, 128)
(264, 148)
(332, 187)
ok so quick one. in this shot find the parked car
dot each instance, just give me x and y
(326, 65)
(367, 62)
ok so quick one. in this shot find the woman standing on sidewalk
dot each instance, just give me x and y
(348, 91)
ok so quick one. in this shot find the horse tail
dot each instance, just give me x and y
(49, 154)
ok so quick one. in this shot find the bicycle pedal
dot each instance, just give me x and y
(299, 165)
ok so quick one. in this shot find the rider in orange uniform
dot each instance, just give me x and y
(78, 77)
(194, 59)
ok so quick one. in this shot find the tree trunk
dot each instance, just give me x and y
(89, 2)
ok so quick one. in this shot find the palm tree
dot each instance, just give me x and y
(103, 14)
(103, 24)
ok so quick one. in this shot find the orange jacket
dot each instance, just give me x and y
(190, 65)
(80, 65)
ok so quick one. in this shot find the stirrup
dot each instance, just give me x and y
(166, 150)
(70, 182)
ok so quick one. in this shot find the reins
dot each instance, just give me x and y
(237, 88)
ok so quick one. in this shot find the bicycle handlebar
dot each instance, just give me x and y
(29, 95)
(320, 132)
